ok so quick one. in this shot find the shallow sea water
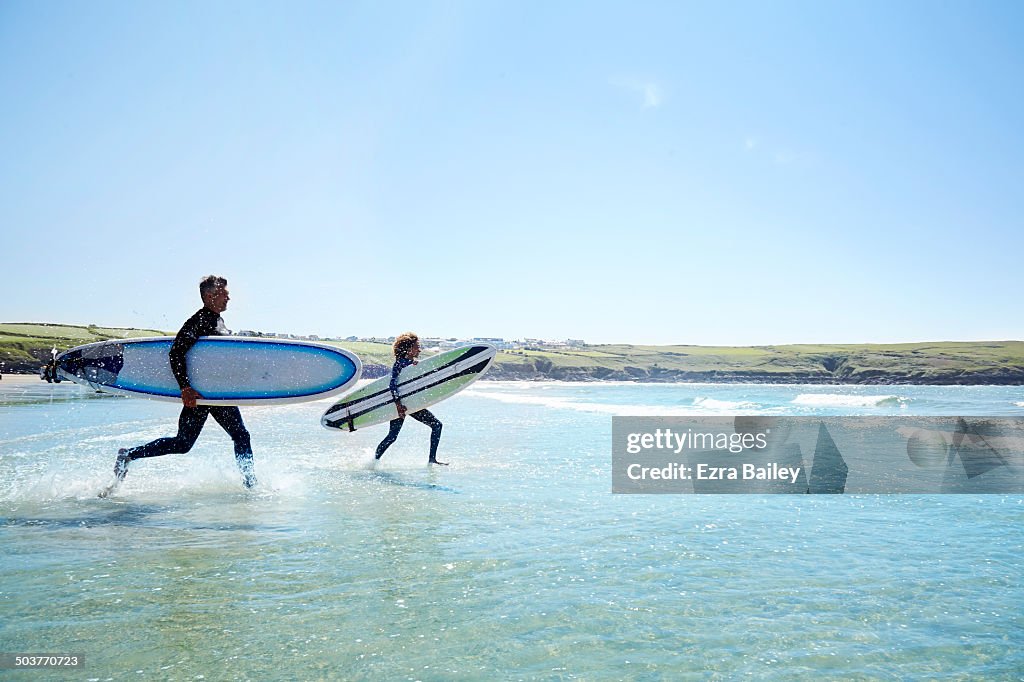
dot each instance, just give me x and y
(516, 562)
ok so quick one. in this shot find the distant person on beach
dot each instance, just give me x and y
(206, 322)
(407, 349)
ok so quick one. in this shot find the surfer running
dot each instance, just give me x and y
(407, 349)
(206, 322)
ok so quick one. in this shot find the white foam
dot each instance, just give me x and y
(557, 403)
(840, 400)
(715, 405)
(54, 485)
(700, 406)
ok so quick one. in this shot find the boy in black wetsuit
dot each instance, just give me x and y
(206, 322)
(407, 349)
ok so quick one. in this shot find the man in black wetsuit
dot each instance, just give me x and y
(407, 349)
(206, 322)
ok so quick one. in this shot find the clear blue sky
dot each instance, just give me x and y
(711, 173)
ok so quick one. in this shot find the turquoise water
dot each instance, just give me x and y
(516, 562)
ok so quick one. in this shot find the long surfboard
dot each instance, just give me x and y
(419, 386)
(226, 370)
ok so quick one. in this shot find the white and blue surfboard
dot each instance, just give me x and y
(419, 386)
(225, 370)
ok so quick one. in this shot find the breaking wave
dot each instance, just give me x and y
(602, 408)
(839, 400)
(715, 405)
(699, 405)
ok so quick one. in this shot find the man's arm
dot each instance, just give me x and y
(183, 342)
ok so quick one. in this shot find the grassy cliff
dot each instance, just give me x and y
(1000, 362)
(24, 346)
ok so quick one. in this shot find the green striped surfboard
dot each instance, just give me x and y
(419, 386)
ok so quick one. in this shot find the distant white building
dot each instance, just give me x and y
(497, 342)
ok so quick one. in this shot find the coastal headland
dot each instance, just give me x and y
(25, 346)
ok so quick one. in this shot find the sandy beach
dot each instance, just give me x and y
(8, 380)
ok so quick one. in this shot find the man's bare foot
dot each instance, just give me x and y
(120, 471)
(434, 461)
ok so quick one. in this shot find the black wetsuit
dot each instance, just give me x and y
(423, 416)
(191, 421)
